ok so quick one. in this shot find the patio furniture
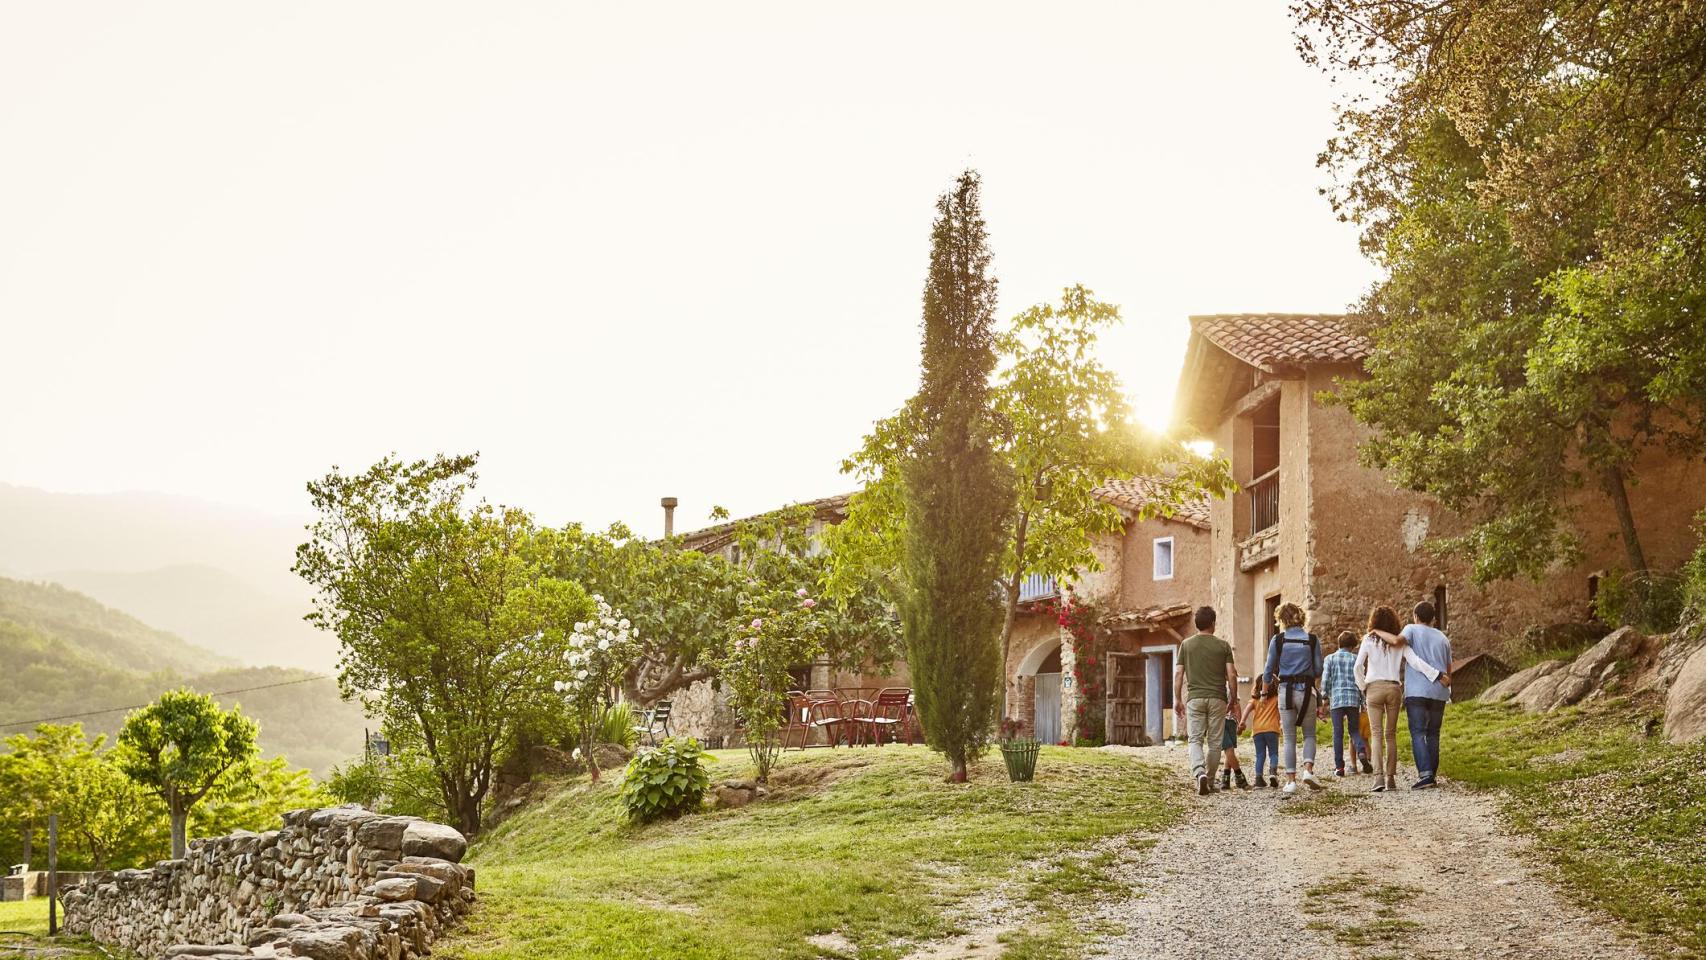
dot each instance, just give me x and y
(656, 719)
(891, 715)
(797, 719)
(825, 714)
(856, 708)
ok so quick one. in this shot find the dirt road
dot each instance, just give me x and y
(1347, 874)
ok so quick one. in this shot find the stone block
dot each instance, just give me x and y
(422, 838)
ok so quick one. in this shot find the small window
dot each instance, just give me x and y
(1163, 558)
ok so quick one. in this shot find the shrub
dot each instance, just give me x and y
(1653, 602)
(616, 725)
(665, 782)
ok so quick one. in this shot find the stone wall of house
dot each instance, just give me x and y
(334, 884)
(1369, 542)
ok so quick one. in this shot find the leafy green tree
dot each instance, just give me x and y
(1528, 177)
(1065, 428)
(181, 747)
(400, 784)
(257, 802)
(957, 493)
(110, 816)
(450, 622)
(686, 607)
(756, 670)
(41, 773)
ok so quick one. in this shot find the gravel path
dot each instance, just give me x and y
(1235, 879)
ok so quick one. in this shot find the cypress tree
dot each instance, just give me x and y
(957, 494)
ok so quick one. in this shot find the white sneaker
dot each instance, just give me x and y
(1290, 787)
(1308, 777)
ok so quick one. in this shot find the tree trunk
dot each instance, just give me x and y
(1012, 612)
(1618, 491)
(468, 816)
(957, 773)
(180, 826)
(29, 840)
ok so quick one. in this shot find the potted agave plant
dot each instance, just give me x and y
(1020, 753)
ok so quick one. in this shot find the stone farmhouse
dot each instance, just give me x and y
(1310, 523)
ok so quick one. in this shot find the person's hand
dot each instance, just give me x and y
(1179, 709)
(1445, 680)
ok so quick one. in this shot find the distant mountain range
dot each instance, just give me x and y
(68, 658)
(217, 576)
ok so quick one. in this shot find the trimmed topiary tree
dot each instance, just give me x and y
(957, 494)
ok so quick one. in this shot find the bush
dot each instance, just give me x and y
(1653, 602)
(665, 782)
(616, 726)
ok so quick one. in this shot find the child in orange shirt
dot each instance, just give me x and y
(1262, 717)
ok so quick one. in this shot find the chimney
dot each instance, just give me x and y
(668, 517)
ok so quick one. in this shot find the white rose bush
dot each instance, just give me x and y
(598, 655)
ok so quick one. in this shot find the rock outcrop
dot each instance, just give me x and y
(334, 884)
(1672, 666)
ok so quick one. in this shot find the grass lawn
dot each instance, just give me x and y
(1620, 815)
(29, 917)
(865, 850)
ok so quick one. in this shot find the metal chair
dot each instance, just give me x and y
(890, 714)
(824, 713)
(657, 718)
(797, 719)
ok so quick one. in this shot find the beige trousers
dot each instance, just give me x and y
(1385, 702)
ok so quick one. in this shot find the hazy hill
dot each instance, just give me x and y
(218, 576)
(64, 654)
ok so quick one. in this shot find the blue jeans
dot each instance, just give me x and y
(1267, 745)
(1425, 716)
(1343, 717)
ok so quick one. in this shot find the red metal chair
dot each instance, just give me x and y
(824, 713)
(797, 719)
(891, 714)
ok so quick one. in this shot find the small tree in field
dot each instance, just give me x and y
(181, 747)
(957, 494)
(600, 650)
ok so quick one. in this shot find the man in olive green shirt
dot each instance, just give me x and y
(1205, 683)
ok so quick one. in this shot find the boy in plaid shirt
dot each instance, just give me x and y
(1339, 689)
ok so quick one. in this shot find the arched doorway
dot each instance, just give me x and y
(1043, 665)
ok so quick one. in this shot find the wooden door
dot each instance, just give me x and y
(1127, 676)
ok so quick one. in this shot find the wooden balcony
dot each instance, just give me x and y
(1264, 501)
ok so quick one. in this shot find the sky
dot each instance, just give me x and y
(622, 250)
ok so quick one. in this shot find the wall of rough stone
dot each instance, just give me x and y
(1371, 542)
(334, 884)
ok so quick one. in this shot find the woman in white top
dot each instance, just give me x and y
(1380, 675)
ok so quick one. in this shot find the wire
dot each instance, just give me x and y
(139, 706)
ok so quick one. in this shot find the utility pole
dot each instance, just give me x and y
(52, 874)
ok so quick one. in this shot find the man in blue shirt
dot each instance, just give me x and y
(1424, 699)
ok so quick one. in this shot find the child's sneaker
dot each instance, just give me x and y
(1273, 783)
(1366, 766)
(1290, 787)
(1242, 783)
(1226, 779)
(1340, 773)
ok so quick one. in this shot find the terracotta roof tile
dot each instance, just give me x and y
(1140, 492)
(1270, 340)
(1125, 619)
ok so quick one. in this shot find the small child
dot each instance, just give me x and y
(1264, 711)
(1229, 744)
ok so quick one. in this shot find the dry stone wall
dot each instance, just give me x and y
(333, 884)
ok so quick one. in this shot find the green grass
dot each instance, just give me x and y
(1360, 913)
(1620, 815)
(29, 917)
(869, 845)
(1326, 803)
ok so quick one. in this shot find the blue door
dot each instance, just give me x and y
(1048, 707)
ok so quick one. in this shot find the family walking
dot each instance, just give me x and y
(1363, 679)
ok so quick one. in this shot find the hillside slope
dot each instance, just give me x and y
(66, 656)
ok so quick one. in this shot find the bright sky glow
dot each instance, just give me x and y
(622, 250)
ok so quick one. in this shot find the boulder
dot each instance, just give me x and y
(204, 949)
(426, 839)
(734, 795)
(1618, 645)
(1685, 705)
(326, 942)
(1557, 689)
(444, 870)
(284, 920)
(1519, 681)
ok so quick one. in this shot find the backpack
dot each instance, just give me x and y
(1314, 650)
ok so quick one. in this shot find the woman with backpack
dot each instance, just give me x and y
(1294, 664)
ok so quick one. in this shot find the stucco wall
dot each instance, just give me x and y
(1192, 563)
(1371, 542)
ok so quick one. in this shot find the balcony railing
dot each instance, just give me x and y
(1264, 501)
(1037, 587)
